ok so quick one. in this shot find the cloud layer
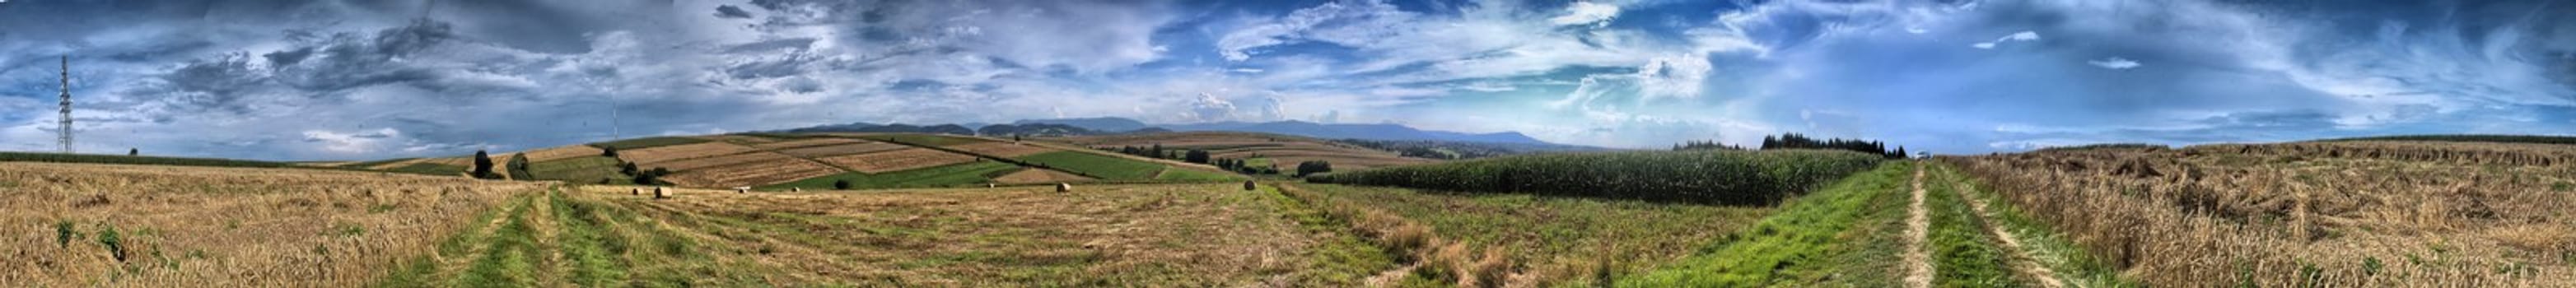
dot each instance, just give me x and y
(356, 80)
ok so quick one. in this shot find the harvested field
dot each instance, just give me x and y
(225, 227)
(641, 143)
(583, 170)
(843, 149)
(1555, 241)
(809, 142)
(897, 160)
(703, 162)
(942, 176)
(1035, 175)
(751, 174)
(1002, 149)
(563, 152)
(1114, 235)
(2338, 214)
(683, 151)
(740, 139)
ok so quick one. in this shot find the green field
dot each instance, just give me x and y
(1184, 174)
(1095, 165)
(639, 143)
(585, 170)
(959, 174)
(922, 139)
(1705, 176)
(1848, 234)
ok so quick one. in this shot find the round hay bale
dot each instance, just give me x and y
(636, 191)
(1062, 187)
(659, 193)
(798, 189)
(1249, 186)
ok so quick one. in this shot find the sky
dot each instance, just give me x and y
(337, 80)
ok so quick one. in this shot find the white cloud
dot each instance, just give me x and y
(2114, 63)
(2018, 36)
(355, 142)
(1586, 13)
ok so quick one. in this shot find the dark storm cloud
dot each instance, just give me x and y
(728, 11)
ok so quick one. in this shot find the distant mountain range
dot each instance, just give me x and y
(1115, 125)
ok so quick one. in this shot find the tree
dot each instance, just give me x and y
(843, 184)
(1312, 167)
(1196, 156)
(133, 152)
(483, 165)
(1900, 152)
(653, 177)
(610, 152)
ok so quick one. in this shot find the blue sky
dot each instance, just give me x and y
(378, 79)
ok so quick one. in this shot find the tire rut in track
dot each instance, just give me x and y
(2022, 261)
(1918, 263)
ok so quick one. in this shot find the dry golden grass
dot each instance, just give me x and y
(2340, 214)
(561, 152)
(1002, 149)
(752, 174)
(225, 227)
(1112, 235)
(808, 142)
(1035, 175)
(703, 162)
(897, 160)
(843, 149)
(684, 151)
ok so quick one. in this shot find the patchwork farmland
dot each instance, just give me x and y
(2361, 213)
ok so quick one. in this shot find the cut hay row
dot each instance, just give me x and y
(1035, 175)
(562, 152)
(751, 174)
(897, 160)
(2304, 214)
(1002, 149)
(683, 151)
(703, 162)
(843, 149)
(801, 143)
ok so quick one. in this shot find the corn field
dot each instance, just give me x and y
(2333, 214)
(1714, 176)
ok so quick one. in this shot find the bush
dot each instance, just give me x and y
(843, 184)
(1312, 168)
(1708, 176)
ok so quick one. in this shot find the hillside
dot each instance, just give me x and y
(814, 161)
(1270, 150)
